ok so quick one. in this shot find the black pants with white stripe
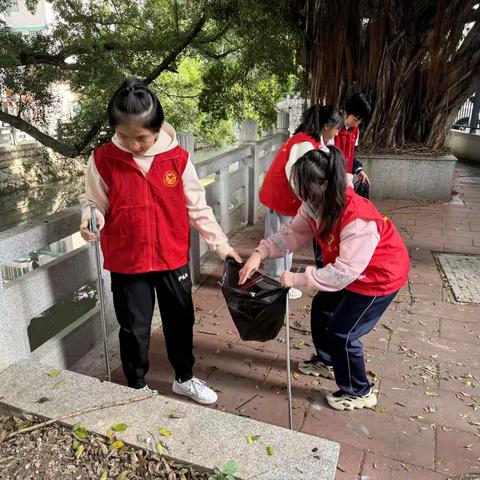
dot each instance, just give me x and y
(134, 301)
(339, 320)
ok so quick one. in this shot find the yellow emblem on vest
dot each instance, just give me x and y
(171, 178)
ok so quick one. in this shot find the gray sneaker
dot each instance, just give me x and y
(343, 401)
(316, 367)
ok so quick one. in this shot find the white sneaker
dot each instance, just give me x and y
(147, 389)
(196, 389)
(294, 294)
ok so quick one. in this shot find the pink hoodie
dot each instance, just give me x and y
(358, 241)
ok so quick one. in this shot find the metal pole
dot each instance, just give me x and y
(475, 113)
(101, 293)
(287, 342)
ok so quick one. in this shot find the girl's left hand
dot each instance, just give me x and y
(363, 177)
(286, 279)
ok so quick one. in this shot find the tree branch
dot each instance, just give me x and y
(74, 150)
(179, 48)
(219, 56)
(164, 65)
(60, 147)
(214, 38)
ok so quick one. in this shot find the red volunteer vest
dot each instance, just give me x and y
(345, 141)
(147, 227)
(276, 192)
(388, 269)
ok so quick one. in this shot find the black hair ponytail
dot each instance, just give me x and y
(135, 100)
(317, 117)
(309, 174)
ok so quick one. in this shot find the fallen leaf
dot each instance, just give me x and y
(252, 438)
(160, 448)
(58, 384)
(79, 431)
(79, 451)
(123, 475)
(117, 444)
(407, 467)
(270, 451)
(172, 413)
(164, 432)
(54, 374)
(119, 427)
(103, 476)
(123, 450)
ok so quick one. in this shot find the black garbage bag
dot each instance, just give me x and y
(257, 307)
(362, 188)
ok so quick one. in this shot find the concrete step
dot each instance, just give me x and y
(202, 437)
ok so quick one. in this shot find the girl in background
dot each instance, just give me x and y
(319, 127)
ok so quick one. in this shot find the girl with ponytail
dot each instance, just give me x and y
(365, 265)
(318, 129)
(147, 193)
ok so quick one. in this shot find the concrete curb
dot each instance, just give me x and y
(202, 437)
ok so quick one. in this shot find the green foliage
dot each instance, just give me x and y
(179, 93)
(238, 61)
(226, 473)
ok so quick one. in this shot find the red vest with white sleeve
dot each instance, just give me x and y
(147, 226)
(276, 192)
(345, 141)
(388, 268)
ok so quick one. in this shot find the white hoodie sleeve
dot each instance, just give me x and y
(201, 215)
(297, 151)
(95, 194)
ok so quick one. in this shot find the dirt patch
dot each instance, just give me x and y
(413, 150)
(59, 452)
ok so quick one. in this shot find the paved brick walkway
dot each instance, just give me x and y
(424, 357)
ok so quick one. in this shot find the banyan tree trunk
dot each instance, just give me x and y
(415, 59)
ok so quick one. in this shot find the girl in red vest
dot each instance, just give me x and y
(366, 264)
(147, 192)
(319, 127)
